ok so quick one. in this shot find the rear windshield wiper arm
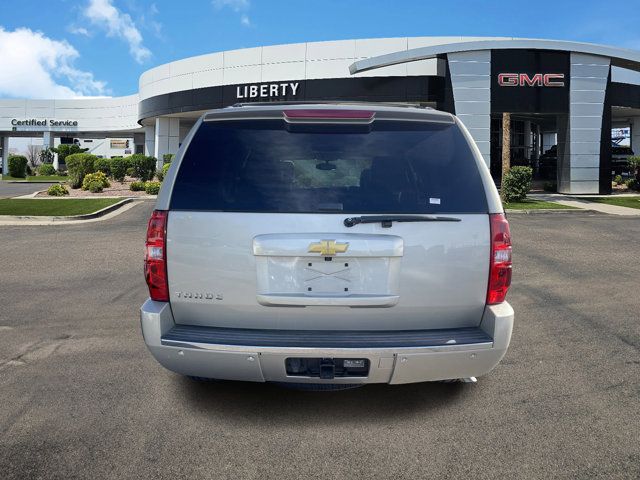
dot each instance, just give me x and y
(387, 220)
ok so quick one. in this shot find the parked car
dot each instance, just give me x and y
(548, 163)
(328, 244)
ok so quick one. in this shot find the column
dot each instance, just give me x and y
(138, 141)
(471, 83)
(47, 140)
(4, 143)
(167, 137)
(563, 172)
(589, 77)
(149, 141)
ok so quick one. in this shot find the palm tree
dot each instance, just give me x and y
(506, 148)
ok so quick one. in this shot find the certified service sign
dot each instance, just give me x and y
(33, 122)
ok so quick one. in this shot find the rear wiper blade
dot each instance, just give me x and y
(387, 220)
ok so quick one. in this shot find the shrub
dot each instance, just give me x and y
(46, 169)
(550, 187)
(631, 183)
(46, 155)
(617, 179)
(144, 167)
(94, 186)
(634, 166)
(57, 190)
(103, 165)
(79, 165)
(65, 150)
(91, 178)
(167, 158)
(130, 171)
(162, 173)
(152, 188)
(516, 184)
(136, 186)
(118, 168)
(30, 171)
(18, 166)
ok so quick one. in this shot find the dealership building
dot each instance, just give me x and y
(564, 97)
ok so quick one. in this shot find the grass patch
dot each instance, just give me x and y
(38, 178)
(53, 206)
(530, 204)
(631, 202)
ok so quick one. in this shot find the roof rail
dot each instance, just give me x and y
(330, 102)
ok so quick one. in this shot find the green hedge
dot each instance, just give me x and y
(46, 169)
(119, 167)
(66, 149)
(79, 165)
(18, 166)
(143, 167)
(102, 165)
(516, 184)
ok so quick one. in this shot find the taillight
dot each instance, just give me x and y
(155, 257)
(500, 267)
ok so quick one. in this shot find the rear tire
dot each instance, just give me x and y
(458, 380)
(201, 379)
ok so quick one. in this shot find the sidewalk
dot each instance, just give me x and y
(583, 203)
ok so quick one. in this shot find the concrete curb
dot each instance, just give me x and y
(30, 195)
(47, 220)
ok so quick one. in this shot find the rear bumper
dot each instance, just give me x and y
(230, 354)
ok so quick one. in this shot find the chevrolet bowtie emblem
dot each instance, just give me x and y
(328, 247)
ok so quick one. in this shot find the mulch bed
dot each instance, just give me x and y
(116, 189)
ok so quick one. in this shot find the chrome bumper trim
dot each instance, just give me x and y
(328, 351)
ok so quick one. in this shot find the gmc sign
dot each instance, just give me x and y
(536, 80)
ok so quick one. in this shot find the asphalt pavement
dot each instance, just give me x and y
(81, 397)
(15, 189)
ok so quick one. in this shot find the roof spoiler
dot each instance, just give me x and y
(329, 102)
(363, 113)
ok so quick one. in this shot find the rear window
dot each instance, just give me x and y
(271, 166)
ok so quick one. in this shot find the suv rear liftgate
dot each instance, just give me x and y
(328, 244)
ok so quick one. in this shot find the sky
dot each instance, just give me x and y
(75, 48)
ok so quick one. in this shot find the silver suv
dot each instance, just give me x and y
(328, 243)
